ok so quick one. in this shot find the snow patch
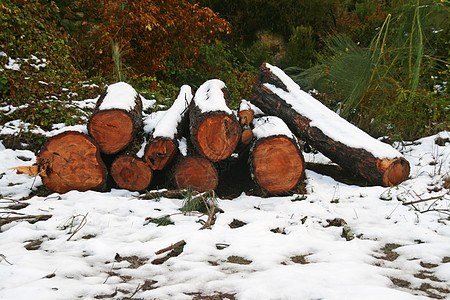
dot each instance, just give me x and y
(167, 126)
(209, 97)
(270, 126)
(119, 95)
(246, 105)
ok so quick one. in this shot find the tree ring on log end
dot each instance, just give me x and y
(159, 153)
(74, 163)
(277, 164)
(131, 173)
(196, 173)
(112, 129)
(217, 136)
(396, 172)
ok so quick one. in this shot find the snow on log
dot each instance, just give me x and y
(131, 173)
(163, 145)
(73, 163)
(214, 129)
(117, 118)
(276, 162)
(247, 111)
(345, 144)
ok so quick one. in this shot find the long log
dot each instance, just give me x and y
(345, 144)
(117, 118)
(73, 162)
(276, 162)
(214, 129)
(163, 145)
(131, 173)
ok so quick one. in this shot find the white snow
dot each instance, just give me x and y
(326, 120)
(167, 126)
(182, 146)
(209, 97)
(247, 105)
(76, 258)
(270, 126)
(119, 95)
(13, 64)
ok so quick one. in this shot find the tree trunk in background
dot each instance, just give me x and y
(131, 173)
(74, 163)
(215, 132)
(385, 172)
(114, 128)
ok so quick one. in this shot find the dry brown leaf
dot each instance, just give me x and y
(32, 170)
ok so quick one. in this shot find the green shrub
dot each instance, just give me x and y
(31, 37)
(390, 87)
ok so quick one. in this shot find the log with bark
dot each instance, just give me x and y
(163, 145)
(196, 173)
(117, 118)
(345, 144)
(247, 111)
(131, 173)
(276, 162)
(214, 129)
(72, 162)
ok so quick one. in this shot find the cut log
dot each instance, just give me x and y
(131, 173)
(162, 147)
(247, 111)
(345, 144)
(73, 163)
(276, 162)
(117, 118)
(195, 172)
(214, 129)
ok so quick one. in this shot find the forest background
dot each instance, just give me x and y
(383, 65)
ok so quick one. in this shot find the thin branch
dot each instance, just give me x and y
(4, 257)
(81, 225)
(31, 219)
(424, 200)
(182, 242)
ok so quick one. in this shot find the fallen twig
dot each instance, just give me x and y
(4, 258)
(424, 200)
(81, 225)
(180, 243)
(31, 219)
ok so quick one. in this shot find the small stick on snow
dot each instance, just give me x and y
(180, 243)
(81, 225)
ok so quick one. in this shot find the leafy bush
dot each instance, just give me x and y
(392, 81)
(149, 33)
(37, 70)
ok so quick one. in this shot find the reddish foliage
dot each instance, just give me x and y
(148, 32)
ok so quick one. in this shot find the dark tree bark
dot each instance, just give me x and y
(377, 171)
(116, 120)
(72, 162)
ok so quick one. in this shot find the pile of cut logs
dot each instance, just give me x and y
(199, 131)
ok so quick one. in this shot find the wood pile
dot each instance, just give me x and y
(199, 133)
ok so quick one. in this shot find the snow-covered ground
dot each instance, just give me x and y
(100, 245)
